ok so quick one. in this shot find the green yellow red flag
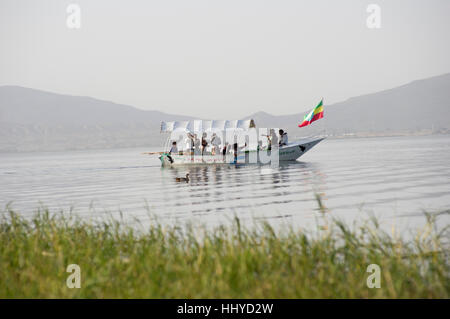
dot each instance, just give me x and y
(314, 115)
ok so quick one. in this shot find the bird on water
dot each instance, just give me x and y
(183, 179)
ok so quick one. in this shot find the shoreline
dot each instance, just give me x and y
(149, 147)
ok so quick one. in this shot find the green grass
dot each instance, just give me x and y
(228, 262)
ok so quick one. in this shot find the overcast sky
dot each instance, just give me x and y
(222, 58)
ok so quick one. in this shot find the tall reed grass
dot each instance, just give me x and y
(230, 261)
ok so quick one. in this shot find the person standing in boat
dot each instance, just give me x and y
(259, 147)
(283, 138)
(196, 145)
(237, 149)
(190, 143)
(272, 139)
(225, 151)
(215, 142)
(204, 142)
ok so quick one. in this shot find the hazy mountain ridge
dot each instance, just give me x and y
(29, 106)
(413, 107)
(36, 120)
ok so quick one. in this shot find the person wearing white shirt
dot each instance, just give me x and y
(283, 138)
(272, 139)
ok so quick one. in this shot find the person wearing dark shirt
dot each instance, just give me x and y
(204, 143)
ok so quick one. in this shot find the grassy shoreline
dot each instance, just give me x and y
(230, 261)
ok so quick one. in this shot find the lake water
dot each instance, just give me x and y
(395, 178)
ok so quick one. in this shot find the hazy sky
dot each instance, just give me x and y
(222, 58)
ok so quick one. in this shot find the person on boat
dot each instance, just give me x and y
(237, 149)
(272, 139)
(174, 148)
(225, 150)
(283, 138)
(215, 142)
(260, 146)
(196, 144)
(190, 143)
(204, 142)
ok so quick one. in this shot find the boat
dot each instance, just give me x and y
(238, 131)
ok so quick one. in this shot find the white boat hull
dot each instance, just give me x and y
(290, 152)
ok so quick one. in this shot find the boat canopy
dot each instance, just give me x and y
(206, 125)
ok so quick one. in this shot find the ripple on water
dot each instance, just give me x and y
(393, 176)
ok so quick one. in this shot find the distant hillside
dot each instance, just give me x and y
(36, 120)
(419, 105)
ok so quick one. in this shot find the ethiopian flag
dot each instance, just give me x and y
(314, 115)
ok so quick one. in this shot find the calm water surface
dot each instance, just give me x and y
(394, 178)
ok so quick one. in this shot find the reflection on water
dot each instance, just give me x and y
(389, 176)
(241, 188)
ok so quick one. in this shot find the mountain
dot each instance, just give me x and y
(28, 106)
(36, 120)
(417, 106)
